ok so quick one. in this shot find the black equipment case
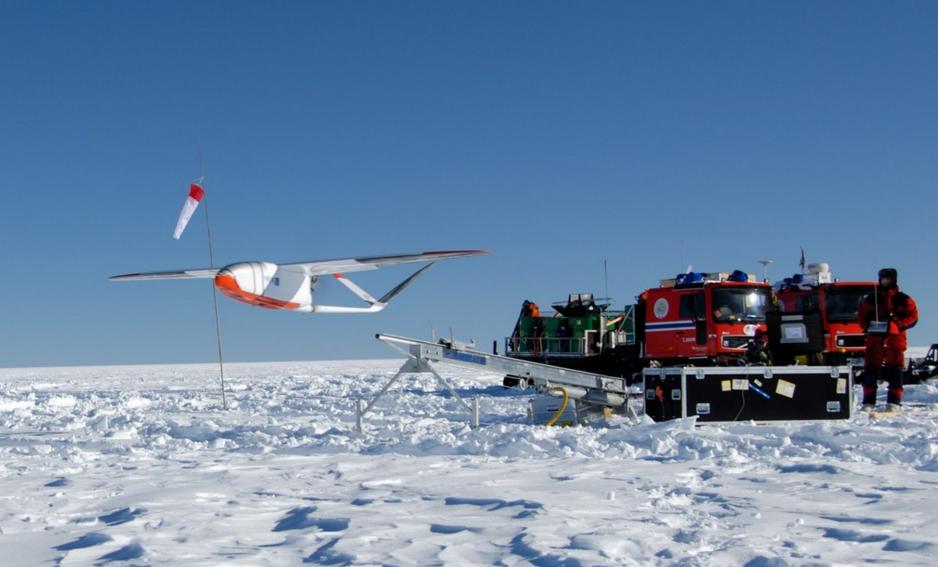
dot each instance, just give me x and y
(759, 393)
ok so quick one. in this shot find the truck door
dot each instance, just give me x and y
(693, 307)
(662, 328)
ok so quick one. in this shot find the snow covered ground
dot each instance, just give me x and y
(138, 464)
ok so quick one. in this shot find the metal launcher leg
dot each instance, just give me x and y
(416, 364)
(473, 409)
(360, 412)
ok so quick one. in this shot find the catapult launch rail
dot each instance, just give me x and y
(718, 394)
(586, 387)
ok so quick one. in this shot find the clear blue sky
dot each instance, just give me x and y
(555, 133)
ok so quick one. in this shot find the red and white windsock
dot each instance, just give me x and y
(195, 196)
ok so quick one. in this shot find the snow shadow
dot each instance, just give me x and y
(126, 553)
(299, 518)
(85, 541)
(327, 555)
(529, 508)
(121, 516)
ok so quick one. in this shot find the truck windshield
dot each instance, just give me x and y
(739, 304)
(842, 302)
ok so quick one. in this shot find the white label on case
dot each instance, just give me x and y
(740, 384)
(841, 385)
(785, 388)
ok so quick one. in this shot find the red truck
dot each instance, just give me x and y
(702, 318)
(837, 301)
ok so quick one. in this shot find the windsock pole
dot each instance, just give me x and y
(211, 261)
(211, 264)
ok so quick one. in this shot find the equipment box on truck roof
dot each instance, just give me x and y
(760, 393)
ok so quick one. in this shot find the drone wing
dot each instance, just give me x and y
(365, 263)
(169, 275)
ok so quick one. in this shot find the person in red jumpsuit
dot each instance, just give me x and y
(885, 338)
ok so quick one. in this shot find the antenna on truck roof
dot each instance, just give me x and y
(765, 269)
(606, 277)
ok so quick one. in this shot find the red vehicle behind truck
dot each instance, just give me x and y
(836, 301)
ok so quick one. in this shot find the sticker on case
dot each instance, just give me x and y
(785, 388)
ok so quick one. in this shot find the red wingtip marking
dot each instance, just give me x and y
(339, 276)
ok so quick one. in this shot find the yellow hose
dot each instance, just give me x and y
(563, 405)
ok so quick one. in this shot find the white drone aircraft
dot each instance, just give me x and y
(290, 286)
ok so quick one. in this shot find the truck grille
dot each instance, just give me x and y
(735, 341)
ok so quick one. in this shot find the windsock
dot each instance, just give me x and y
(195, 195)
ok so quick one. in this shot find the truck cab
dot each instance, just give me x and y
(837, 302)
(706, 317)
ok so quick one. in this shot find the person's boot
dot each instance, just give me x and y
(894, 408)
(893, 374)
(894, 397)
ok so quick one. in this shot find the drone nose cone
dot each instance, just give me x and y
(245, 282)
(227, 284)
